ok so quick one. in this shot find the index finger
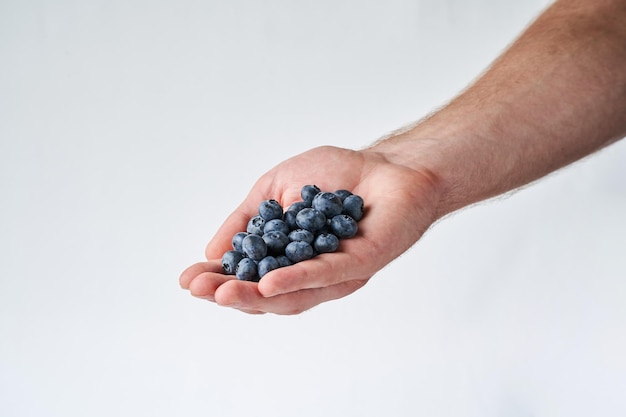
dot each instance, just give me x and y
(237, 221)
(222, 241)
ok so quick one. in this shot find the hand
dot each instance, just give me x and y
(399, 206)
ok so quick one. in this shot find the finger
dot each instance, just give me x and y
(222, 241)
(206, 284)
(247, 297)
(355, 259)
(238, 294)
(251, 311)
(202, 280)
(238, 220)
(196, 269)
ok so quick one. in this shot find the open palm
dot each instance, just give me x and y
(399, 207)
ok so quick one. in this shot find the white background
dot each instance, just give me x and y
(130, 129)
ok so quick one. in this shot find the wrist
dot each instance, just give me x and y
(460, 159)
(418, 157)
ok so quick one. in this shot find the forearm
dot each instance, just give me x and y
(557, 94)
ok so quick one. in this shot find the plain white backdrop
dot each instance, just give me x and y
(130, 129)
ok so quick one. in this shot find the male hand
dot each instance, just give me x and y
(399, 207)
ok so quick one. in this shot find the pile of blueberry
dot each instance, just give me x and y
(275, 238)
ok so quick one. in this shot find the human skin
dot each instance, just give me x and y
(557, 94)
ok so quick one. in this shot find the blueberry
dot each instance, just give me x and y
(247, 270)
(298, 251)
(290, 219)
(230, 259)
(342, 194)
(297, 206)
(308, 192)
(343, 226)
(275, 237)
(302, 235)
(254, 247)
(267, 264)
(237, 239)
(275, 241)
(270, 209)
(326, 242)
(256, 225)
(276, 225)
(283, 261)
(353, 207)
(310, 219)
(328, 203)
(325, 228)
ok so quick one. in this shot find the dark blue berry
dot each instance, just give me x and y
(237, 239)
(326, 242)
(247, 270)
(290, 219)
(270, 209)
(353, 207)
(256, 225)
(297, 206)
(275, 241)
(277, 225)
(342, 194)
(308, 192)
(230, 259)
(343, 226)
(302, 235)
(298, 251)
(276, 238)
(283, 261)
(267, 264)
(254, 247)
(328, 203)
(326, 228)
(310, 219)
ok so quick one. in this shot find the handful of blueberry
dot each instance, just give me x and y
(275, 238)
